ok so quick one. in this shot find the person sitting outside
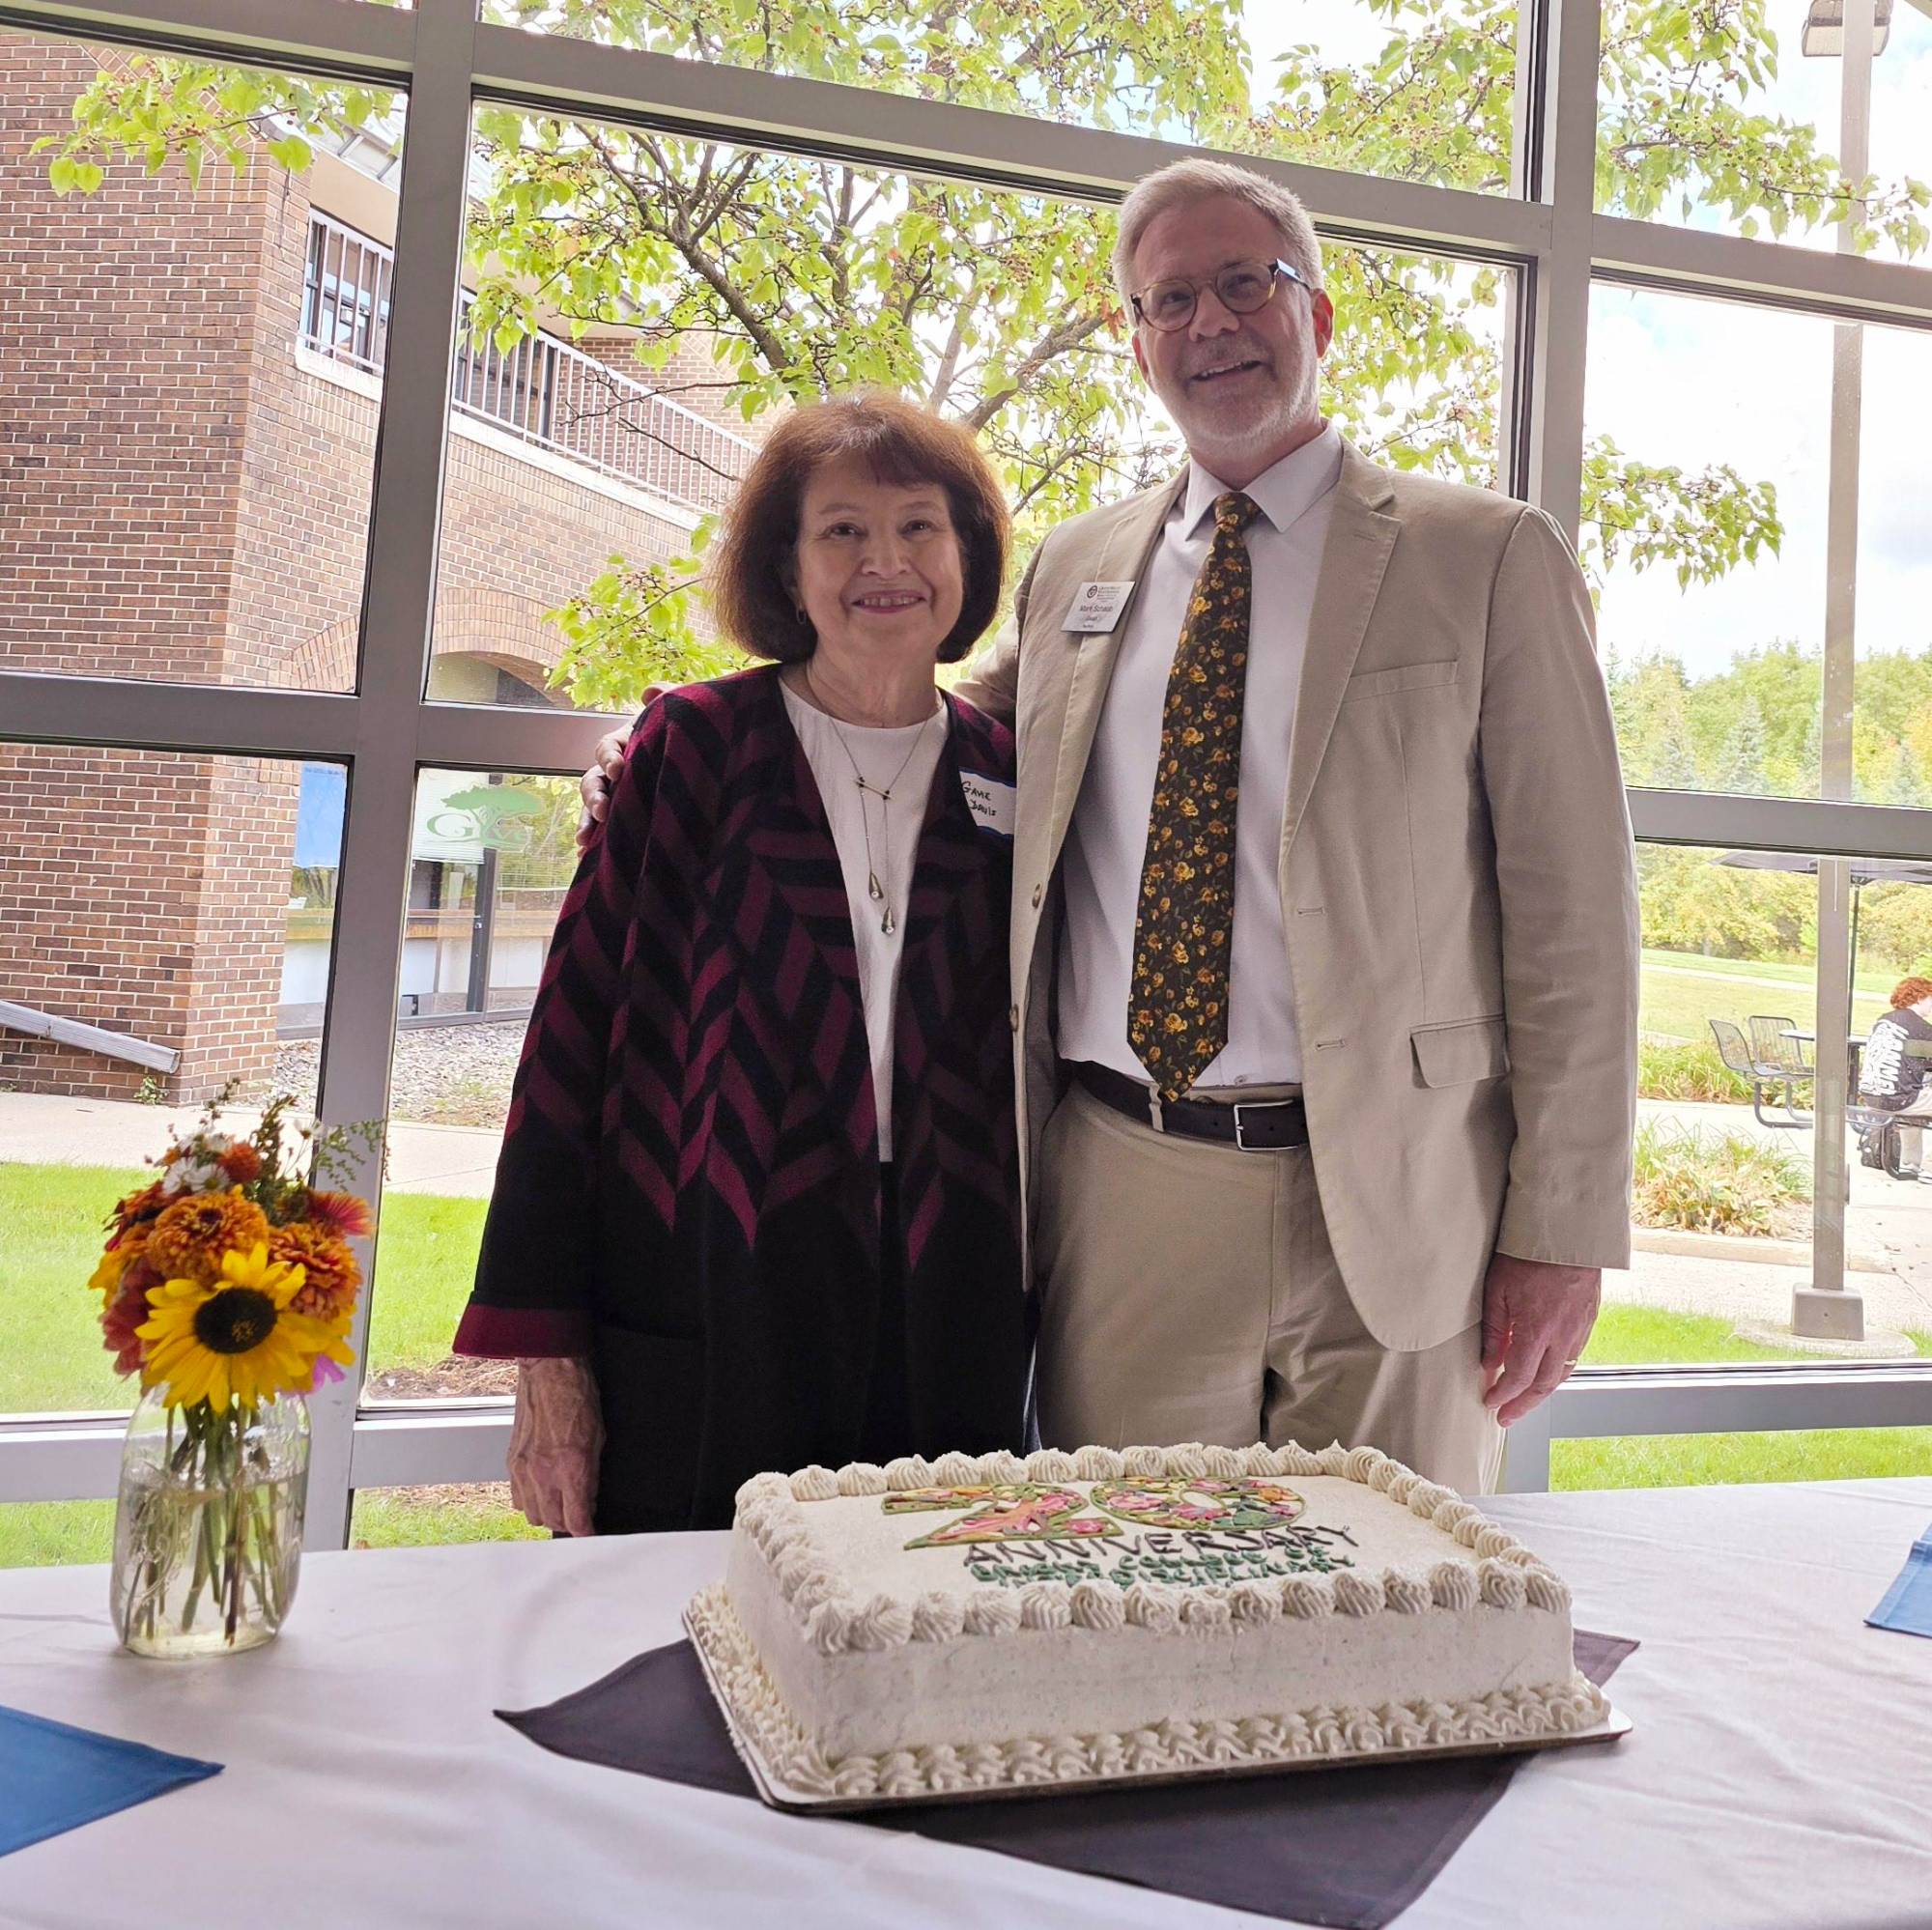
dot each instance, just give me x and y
(1892, 1080)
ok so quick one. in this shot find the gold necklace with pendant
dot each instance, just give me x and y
(875, 889)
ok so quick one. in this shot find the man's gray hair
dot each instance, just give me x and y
(1196, 180)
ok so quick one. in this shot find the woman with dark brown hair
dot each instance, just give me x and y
(757, 1204)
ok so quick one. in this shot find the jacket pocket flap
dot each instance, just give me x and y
(1454, 1055)
(1401, 677)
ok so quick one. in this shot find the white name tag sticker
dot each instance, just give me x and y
(1097, 606)
(990, 802)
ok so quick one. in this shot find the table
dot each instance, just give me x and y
(1779, 1775)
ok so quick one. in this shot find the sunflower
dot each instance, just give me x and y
(191, 1237)
(329, 1291)
(236, 1340)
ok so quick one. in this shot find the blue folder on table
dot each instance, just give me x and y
(1907, 1602)
(53, 1777)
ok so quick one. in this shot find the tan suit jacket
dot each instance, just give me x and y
(1457, 880)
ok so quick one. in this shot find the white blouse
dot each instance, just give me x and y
(893, 830)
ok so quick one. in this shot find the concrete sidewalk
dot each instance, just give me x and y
(38, 1129)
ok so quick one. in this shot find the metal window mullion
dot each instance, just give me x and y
(1601, 1403)
(399, 595)
(1809, 824)
(563, 75)
(1559, 297)
(1691, 261)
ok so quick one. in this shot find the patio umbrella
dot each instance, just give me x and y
(1863, 871)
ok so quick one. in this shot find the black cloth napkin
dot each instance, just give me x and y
(1347, 1847)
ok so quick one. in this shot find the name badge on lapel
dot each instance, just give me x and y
(990, 802)
(1097, 606)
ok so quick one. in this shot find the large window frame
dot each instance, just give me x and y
(388, 729)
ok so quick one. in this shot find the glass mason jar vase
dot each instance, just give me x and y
(209, 1525)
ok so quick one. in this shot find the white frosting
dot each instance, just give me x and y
(767, 1726)
(1412, 1620)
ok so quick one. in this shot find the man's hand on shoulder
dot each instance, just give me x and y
(1536, 1319)
(595, 783)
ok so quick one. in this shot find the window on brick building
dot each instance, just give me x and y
(346, 294)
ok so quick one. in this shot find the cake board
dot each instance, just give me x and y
(726, 1656)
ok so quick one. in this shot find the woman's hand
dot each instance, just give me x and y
(594, 785)
(556, 1442)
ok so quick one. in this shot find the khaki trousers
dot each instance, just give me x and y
(1189, 1293)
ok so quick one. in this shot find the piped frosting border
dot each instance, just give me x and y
(761, 1722)
(771, 1513)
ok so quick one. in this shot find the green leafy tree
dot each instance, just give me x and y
(805, 277)
(1741, 763)
(1689, 902)
(1895, 928)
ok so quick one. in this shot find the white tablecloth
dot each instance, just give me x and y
(1781, 1772)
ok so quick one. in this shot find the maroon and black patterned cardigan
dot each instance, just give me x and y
(689, 1190)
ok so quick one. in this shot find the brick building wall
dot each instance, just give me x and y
(181, 500)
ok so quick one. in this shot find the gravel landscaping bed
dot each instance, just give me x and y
(444, 1075)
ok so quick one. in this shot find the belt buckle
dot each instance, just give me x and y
(1256, 1106)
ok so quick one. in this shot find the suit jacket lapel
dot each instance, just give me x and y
(1353, 559)
(1129, 547)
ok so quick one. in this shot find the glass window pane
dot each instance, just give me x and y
(1419, 91)
(165, 926)
(1746, 120)
(1753, 517)
(1691, 1461)
(493, 854)
(1727, 1108)
(413, 1518)
(598, 429)
(43, 1534)
(189, 398)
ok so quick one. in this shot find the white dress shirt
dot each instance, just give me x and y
(1106, 842)
(905, 759)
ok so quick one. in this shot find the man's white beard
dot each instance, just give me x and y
(1209, 442)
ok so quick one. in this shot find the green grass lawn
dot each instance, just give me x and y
(1681, 993)
(50, 1361)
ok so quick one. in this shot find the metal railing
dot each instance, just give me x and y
(545, 392)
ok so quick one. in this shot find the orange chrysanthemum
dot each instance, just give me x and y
(242, 1163)
(190, 1238)
(341, 1213)
(332, 1274)
(137, 1209)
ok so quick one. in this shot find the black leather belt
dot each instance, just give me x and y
(1255, 1125)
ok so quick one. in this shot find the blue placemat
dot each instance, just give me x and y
(1907, 1602)
(53, 1777)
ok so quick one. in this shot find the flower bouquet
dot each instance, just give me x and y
(228, 1285)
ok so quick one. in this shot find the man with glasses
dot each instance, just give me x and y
(1324, 933)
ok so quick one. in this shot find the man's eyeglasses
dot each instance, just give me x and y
(1241, 287)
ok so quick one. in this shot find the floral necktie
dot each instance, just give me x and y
(1178, 1004)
